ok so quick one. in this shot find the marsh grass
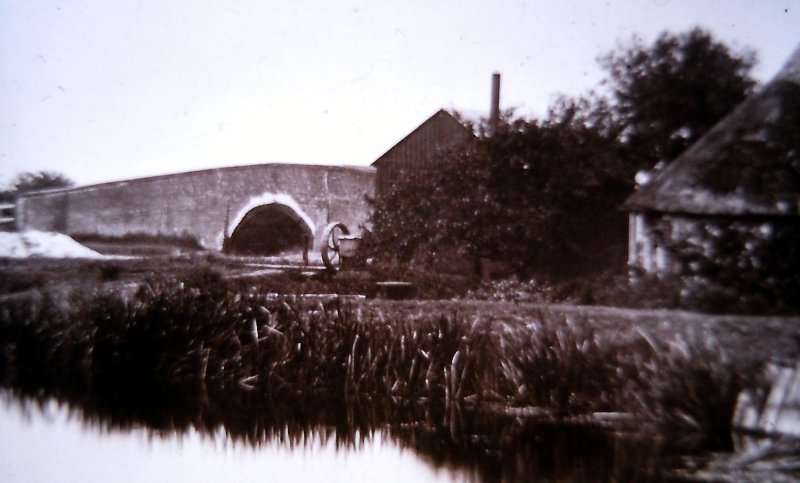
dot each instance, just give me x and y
(563, 365)
(686, 388)
(636, 289)
(174, 352)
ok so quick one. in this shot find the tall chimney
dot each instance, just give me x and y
(494, 112)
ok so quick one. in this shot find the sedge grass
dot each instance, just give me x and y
(174, 351)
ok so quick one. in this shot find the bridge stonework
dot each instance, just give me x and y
(206, 205)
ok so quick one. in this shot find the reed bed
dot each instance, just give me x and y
(176, 351)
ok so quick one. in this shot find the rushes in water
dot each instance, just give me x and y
(180, 348)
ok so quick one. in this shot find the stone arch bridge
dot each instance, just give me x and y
(260, 209)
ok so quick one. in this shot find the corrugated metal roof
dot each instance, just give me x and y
(748, 164)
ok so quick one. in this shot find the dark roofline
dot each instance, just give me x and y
(683, 186)
(686, 184)
(424, 123)
(30, 194)
(755, 140)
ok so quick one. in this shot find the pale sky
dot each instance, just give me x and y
(102, 90)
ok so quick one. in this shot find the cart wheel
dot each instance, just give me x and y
(330, 252)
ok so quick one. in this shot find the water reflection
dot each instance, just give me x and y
(346, 446)
(53, 444)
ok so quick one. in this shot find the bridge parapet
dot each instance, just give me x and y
(206, 205)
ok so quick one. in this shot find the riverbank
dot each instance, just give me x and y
(189, 347)
(568, 360)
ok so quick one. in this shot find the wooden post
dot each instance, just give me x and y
(305, 249)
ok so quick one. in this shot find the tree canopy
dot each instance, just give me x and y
(665, 96)
(541, 196)
(544, 196)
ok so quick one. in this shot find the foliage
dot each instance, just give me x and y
(743, 265)
(740, 293)
(687, 388)
(40, 180)
(665, 96)
(110, 273)
(540, 196)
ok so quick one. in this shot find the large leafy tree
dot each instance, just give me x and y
(558, 184)
(670, 93)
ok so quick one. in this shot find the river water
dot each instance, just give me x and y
(51, 443)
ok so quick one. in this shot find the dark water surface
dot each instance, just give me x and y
(48, 441)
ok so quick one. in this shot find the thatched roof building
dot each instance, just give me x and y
(726, 213)
(748, 164)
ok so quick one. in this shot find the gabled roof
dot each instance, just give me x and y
(443, 120)
(747, 164)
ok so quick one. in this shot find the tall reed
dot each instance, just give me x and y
(175, 351)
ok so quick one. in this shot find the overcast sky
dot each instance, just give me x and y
(102, 90)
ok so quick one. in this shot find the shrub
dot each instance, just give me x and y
(110, 272)
(539, 196)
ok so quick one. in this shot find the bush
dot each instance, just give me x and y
(111, 272)
(539, 196)
(640, 290)
(206, 280)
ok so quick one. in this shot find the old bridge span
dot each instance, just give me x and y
(262, 209)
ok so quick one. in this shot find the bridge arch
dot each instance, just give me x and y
(269, 225)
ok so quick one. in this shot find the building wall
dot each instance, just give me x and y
(201, 204)
(8, 217)
(729, 250)
(418, 150)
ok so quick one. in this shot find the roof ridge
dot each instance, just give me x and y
(791, 68)
(441, 111)
(738, 166)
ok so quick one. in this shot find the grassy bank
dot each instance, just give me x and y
(245, 274)
(180, 348)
